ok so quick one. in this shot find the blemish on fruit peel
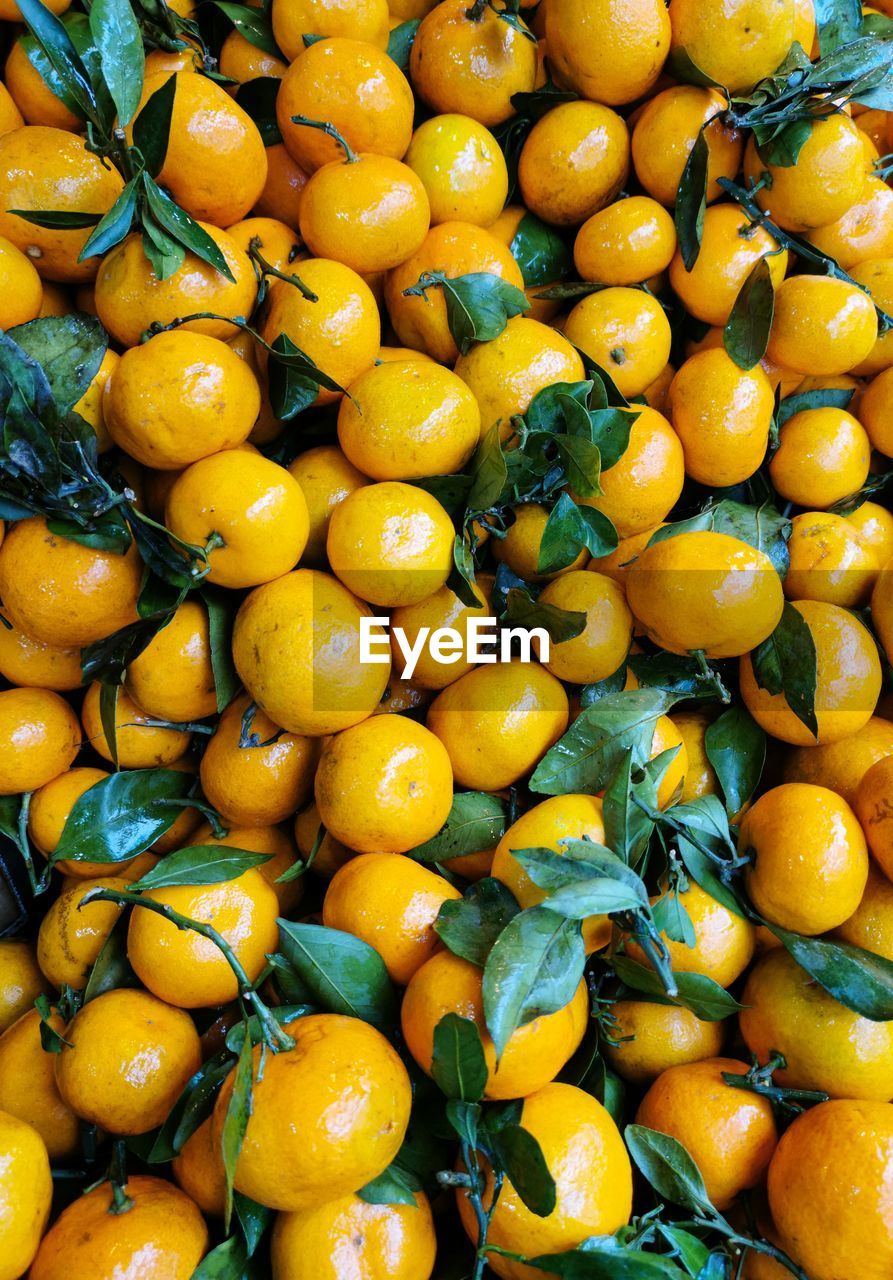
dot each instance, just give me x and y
(482, 640)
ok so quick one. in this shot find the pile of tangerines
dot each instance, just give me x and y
(328, 331)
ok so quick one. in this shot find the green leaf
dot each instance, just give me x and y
(488, 472)
(227, 1261)
(520, 1156)
(69, 350)
(521, 610)
(254, 1029)
(691, 202)
(177, 223)
(478, 306)
(238, 1113)
(200, 864)
(668, 1168)
(477, 821)
(111, 968)
(257, 98)
(220, 623)
(534, 968)
(705, 998)
(607, 1258)
(833, 398)
(582, 464)
(394, 1186)
(55, 41)
(736, 748)
(294, 380)
(627, 828)
(746, 334)
(400, 42)
(584, 879)
(113, 226)
(50, 1039)
(786, 663)
(539, 251)
(458, 1065)
(568, 530)
(119, 40)
(193, 1106)
(344, 974)
(254, 25)
(859, 979)
(152, 127)
(57, 220)
(585, 758)
(838, 22)
(760, 526)
(121, 815)
(470, 926)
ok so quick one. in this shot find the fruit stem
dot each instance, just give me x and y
(329, 129)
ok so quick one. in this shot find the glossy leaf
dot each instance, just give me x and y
(458, 1064)
(119, 41)
(394, 1186)
(627, 828)
(746, 334)
(838, 22)
(469, 927)
(235, 1123)
(200, 864)
(736, 748)
(668, 1167)
(476, 822)
(534, 968)
(859, 979)
(177, 223)
(521, 610)
(539, 251)
(220, 620)
(607, 1258)
(113, 226)
(258, 99)
(568, 530)
(488, 472)
(705, 998)
(121, 815)
(69, 350)
(400, 42)
(519, 1154)
(691, 202)
(252, 24)
(111, 969)
(57, 44)
(344, 974)
(786, 663)
(152, 127)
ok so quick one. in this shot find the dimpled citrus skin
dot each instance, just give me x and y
(366, 20)
(574, 162)
(731, 246)
(821, 325)
(26, 661)
(340, 331)
(63, 593)
(705, 590)
(20, 287)
(199, 1171)
(667, 128)
(605, 52)
(408, 418)
(28, 1085)
(39, 738)
(442, 609)
(593, 1181)
(50, 807)
(724, 941)
(497, 721)
(140, 744)
(829, 561)
(729, 1132)
(129, 1058)
(184, 969)
(848, 681)
(722, 415)
(50, 169)
(871, 924)
(254, 506)
(652, 1037)
(390, 902)
(820, 186)
(825, 1045)
(71, 935)
(823, 455)
(835, 1166)
(602, 646)
(391, 543)
(456, 249)
(534, 1053)
(384, 786)
(130, 297)
(307, 622)
(461, 168)
(872, 806)
(864, 231)
(348, 1235)
(568, 817)
(843, 764)
(326, 477)
(26, 1190)
(734, 42)
(625, 243)
(352, 85)
(180, 397)
(21, 980)
(162, 1234)
(645, 483)
(215, 164)
(810, 859)
(328, 1115)
(172, 678)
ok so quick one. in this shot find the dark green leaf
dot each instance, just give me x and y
(50, 1039)
(736, 747)
(400, 42)
(478, 306)
(488, 472)
(832, 397)
(746, 334)
(859, 979)
(539, 251)
(627, 828)
(184, 229)
(220, 621)
(119, 40)
(227, 1261)
(477, 822)
(469, 927)
(294, 379)
(705, 998)
(838, 22)
(108, 718)
(394, 1186)
(200, 864)
(582, 464)
(254, 25)
(121, 815)
(786, 663)
(522, 611)
(669, 1168)
(691, 202)
(606, 1258)
(57, 220)
(344, 973)
(258, 99)
(254, 1028)
(152, 127)
(585, 758)
(583, 879)
(193, 1106)
(568, 530)
(238, 1113)
(56, 43)
(111, 968)
(519, 1154)
(534, 968)
(458, 1065)
(69, 350)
